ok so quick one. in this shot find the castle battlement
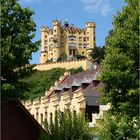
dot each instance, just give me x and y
(66, 39)
(84, 63)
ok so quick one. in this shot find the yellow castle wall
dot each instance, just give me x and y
(56, 41)
(84, 63)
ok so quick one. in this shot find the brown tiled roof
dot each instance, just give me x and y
(81, 75)
(90, 92)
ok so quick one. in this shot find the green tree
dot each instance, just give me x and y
(119, 71)
(67, 126)
(63, 57)
(98, 52)
(17, 31)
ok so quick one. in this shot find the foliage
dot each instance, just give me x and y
(119, 71)
(36, 83)
(116, 128)
(97, 52)
(39, 82)
(62, 57)
(78, 70)
(78, 56)
(17, 31)
(67, 126)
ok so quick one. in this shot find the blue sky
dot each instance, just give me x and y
(76, 12)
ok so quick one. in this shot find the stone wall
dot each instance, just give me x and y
(84, 63)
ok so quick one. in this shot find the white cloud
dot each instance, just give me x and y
(97, 6)
(105, 9)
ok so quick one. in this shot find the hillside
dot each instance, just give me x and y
(38, 82)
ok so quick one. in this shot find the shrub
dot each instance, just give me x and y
(67, 126)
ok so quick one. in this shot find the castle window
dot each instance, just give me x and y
(87, 38)
(51, 53)
(41, 116)
(80, 38)
(46, 115)
(51, 115)
(84, 38)
(80, 45)
(72, 44)
(84, 45)
(54, 31)
(82, 52)
(45, 41)
(44, 55)
(72, 38)
(45, 36)
(62, 44)
(37, 116)
(61, 37)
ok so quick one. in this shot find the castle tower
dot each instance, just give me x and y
(90, 31)
(56, 39)
(66, 39)
(44, 47)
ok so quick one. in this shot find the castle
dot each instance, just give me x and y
(79, 91)
(66, 39)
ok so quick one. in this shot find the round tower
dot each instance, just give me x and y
(44, 54)
(90, 32)
(56, 39)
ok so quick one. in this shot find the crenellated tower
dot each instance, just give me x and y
(66, 39)
(56, 39)
(90, 31)
(44, 47)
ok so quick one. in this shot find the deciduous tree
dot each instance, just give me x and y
(17, 31)
(119, 71)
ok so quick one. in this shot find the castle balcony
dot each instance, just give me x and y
(72, 45)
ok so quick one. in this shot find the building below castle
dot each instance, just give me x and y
(78, 92)
(66, 40)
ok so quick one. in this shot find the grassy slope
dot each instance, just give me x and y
(38, 82)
